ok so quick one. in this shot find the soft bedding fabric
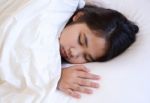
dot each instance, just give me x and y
(124, 79)
(30, 63)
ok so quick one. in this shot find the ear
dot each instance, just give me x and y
(77, 16)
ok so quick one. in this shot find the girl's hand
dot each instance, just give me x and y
(76, 80)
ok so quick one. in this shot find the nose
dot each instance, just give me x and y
(75, 52)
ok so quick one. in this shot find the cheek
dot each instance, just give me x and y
(70, 41)
(69, 38)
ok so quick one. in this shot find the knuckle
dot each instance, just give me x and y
(69, 92)
(84, 82)
(94, 84)
(87, 83)
(72, 93)
(88, 91)
(78, 88)
(84, 74)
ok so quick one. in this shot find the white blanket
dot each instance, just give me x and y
(30, 63)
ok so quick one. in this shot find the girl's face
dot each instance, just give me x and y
(78, 44)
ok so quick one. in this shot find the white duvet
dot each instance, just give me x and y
(30, 63)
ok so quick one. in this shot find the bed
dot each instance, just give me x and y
(125, 79)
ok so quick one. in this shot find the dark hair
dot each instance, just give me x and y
(118, 31)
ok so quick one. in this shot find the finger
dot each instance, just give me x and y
(73, 93)
(87, 83)
(70, 92)
(82, 68)
(82, 89)
(88, 76)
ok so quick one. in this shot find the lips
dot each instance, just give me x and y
(63, 53)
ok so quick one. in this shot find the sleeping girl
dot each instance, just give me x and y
(93, 34)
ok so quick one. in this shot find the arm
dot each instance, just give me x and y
(76, 80)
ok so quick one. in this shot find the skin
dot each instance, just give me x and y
(76, 80)
(78, 45)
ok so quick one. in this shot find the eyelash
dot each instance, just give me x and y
(80, 42)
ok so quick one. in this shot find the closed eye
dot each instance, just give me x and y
(82, 40)
(85, 40)
(79, 40)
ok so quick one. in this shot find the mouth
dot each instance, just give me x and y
(63, 53)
